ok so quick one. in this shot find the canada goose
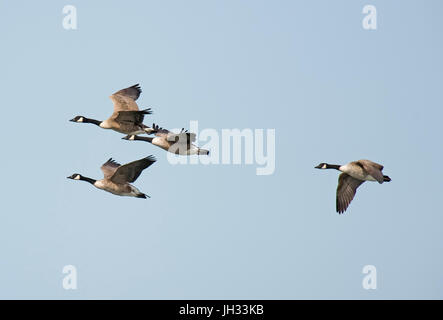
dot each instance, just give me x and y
(354, 174)
(126, 118)
(177, 143)
(117, 177)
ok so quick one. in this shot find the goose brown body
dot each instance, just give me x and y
(118, 178)
(126, 118)
(177, 143)
(352, 176)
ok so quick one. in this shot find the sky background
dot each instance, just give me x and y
(332, 91)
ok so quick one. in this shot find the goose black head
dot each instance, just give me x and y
(322, 166)
(78, 119)
(75, 176)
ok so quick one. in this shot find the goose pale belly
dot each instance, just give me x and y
(117, 189)
(356, 172)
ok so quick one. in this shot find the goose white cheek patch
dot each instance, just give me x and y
(77, 177)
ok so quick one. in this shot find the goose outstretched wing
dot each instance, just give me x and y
(124, 100)
(131, 171)
(184, 136)
(346, 189)
(135, 117)
(109, 168)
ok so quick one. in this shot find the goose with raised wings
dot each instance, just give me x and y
(126, 118)
(118, 178)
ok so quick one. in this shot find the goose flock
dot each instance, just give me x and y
(128, 119)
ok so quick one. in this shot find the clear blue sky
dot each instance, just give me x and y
(333, 91)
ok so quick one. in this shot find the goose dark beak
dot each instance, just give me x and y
(318, 167)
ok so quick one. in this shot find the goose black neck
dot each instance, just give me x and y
(333, 166)
(148, 139)
(90, 180)
(96, 122)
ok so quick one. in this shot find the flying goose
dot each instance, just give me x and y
(354, 174)
(126, 118)
(177, 143)
(117, 177)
